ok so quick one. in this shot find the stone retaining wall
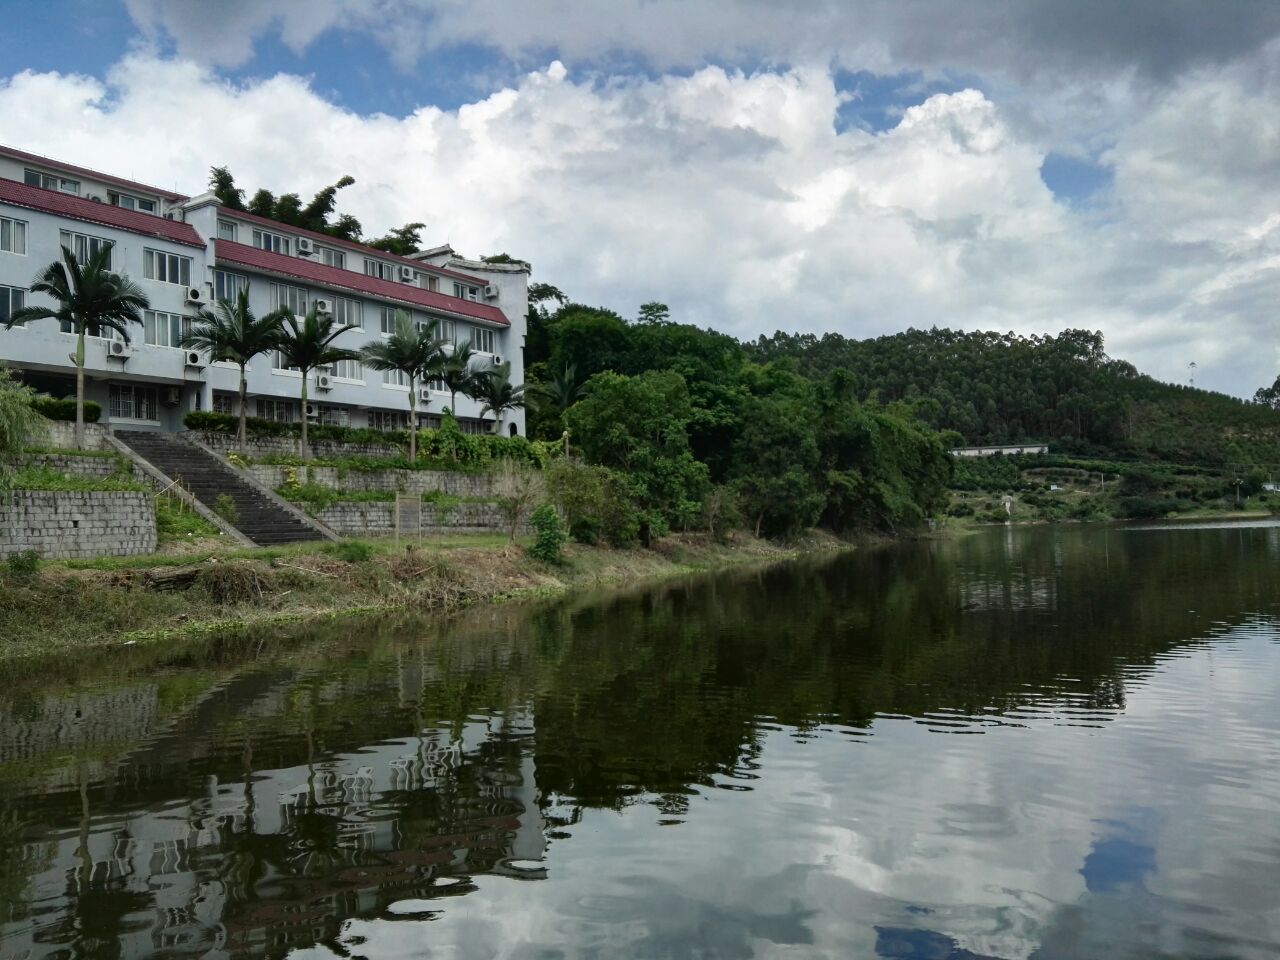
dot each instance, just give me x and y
(396, 481)
(377, 519)
(71, 465)
(225, 443)
(61, 525)
(62, 435)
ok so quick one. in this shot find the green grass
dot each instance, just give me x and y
(72, 452)
(44, 478)
(177, 523)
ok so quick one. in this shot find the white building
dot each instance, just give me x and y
(186, 252)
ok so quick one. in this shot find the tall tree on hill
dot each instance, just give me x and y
(309, 344)
(90, 300)
(231, 332)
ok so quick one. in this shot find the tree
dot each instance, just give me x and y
(518, 488)
(494, 389)
(506, 258)
(20, 425)
(309, 344)
(402, 241)
(417, 353)
(457, 374)
(90, 298)
(556, 395)
(223, 185)
(654, 312)
(774, 466)
(232, 332)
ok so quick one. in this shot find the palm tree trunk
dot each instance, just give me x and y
(413, 421)
(80, 390)
(305, 449)
(244, 400)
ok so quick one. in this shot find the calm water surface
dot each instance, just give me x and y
(1041, 743)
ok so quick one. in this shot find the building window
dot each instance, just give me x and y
(473, 426)
(224, 402)
(130, 401)
(348, 312)
(11, 300)
(388, 419)
(466, 292)
(327, 414)
(447, 330)
(331, 257)
(84, 246)
(132, 203)
(395, 378)
(275, 242)
(49, 182)
(387, 319)
(166, 267)
(164, 329)
(287, 295)
(379, 268)
(482, 341)
(433, 283)
(102, 333)
(348, 370)
(227, 230)
(437, 384)
(227, 286)
(281, 411)
(13, 236)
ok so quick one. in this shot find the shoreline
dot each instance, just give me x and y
(68, 607)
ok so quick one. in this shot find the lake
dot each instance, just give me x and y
(1045, 742)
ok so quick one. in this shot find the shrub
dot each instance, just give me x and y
(551, 536)
(175, 522)
(596, 501)
(64, 408)
(225, 507)
(352, 551)
(516, 487)
(24, 565)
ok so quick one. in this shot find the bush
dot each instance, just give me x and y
(352, 551)
(596, 501)
(175, 522)
(225, 507)
(64, 408)
(24, 565)
(551, 535)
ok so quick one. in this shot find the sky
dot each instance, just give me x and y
(855, 166)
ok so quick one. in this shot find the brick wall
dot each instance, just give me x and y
(396, 481)
(225, 443)
(71, 465)
(376, 519)
(62, 435)
(61, 525)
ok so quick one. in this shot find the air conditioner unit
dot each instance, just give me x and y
(119, 349)
(497, 360)
(407, 273)
(306, 247)
(194, 359)
(491, 291)
(324, 382)
(95, 198)
(173, 396)
(424, 394)
(195, 297)
(313, 412)
(323, 305)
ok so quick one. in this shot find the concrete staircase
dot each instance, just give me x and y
(259, 518)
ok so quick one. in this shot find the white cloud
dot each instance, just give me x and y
(735, 199)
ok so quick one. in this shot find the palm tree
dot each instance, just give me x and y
(90, 298)
(308, 344)
(417, 353)
(498, 394)
(232, 332)
(457, 374)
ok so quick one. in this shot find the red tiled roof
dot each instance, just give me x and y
(86, 172)
(244, 255)
(349, 245)
(66, 205)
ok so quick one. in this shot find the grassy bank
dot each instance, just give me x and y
(147, 599)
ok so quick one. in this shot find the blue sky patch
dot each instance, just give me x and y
(1074, 180)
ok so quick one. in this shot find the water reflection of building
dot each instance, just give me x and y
(283, 856)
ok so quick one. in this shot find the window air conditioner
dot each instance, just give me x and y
(173, 396)
(323, 305)
(195, 297)
(313, 412)
(306, 247)
(424, 394)
(324, 382)
(119, 349)
(195, 360)
(497, 360)
(491, 291)
(407, 273)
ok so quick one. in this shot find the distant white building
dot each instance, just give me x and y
(186, 252)
(993, 449)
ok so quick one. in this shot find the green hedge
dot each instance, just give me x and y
(64, 408)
